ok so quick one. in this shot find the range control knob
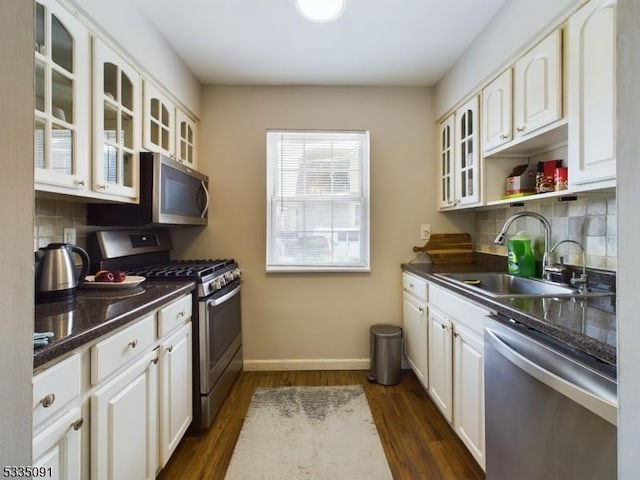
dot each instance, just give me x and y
(237, 273)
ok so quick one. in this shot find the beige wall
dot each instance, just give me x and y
(16, 218)
(313, 320)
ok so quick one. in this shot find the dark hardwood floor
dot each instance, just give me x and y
(418, 442)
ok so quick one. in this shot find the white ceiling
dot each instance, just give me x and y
(266, 42)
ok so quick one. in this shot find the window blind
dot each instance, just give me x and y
(318, 200)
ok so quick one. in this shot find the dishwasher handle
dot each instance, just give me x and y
(602, 407)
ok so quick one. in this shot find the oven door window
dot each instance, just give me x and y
(223, 332)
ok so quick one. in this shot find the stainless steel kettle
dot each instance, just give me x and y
(56, 274)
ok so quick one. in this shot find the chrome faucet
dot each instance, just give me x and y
(547, 233)
(580, 282)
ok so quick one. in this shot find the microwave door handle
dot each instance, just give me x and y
(206, 205)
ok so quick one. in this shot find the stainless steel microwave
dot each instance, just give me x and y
(170, 194)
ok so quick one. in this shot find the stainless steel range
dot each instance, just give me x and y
(217, 339)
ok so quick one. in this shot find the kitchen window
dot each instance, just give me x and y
(317, 200)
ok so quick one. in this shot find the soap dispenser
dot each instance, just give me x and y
(520, 258)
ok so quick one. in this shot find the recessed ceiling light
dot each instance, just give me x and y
(320, 10)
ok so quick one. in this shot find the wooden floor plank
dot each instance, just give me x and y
(418, 442)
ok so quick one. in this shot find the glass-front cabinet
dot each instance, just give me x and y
(116, 123)
(447, 148)
(467, 155)
(159, 121)
(62, 106)
(186, 135)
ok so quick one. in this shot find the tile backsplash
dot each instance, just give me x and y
(589, 220)
(53, 216)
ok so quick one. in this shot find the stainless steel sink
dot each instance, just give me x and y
(499, 285)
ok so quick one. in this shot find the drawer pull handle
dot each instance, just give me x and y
(182, 314)
(155, 361)
(411, 285)
(77, 425)
(133, 343)
(48, 400)
(170, 348)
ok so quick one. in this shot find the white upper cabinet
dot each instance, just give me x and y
(186, 136)
(497, 112)
(592, 95)
(158, 132)
(446, 151)
(467, 158)
(116, 123)
(537, 86)
(62, 100)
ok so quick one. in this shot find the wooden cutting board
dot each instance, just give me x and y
(448, 248)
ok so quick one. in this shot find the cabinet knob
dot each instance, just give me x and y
(80, 183)
(77, 425)
(48, 400)
(411, 285)
(133, 343)
(456, 334)
(154, 361)
(503, 137)
(170, 348)
(421, 310)
(182, 314)
(443, 326)
(102, 187)
(519, 129)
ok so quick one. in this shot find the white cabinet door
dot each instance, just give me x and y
(440, 362)
(592, 93)
(57, 448)
(175, 390)
(415, 335)
(62, 100)
(158, 131)
(537, 86)
(447, 162)
(186, 139)
(468, 390)
(497, 112)
(467, 158)
(116, 123)
(124, 419)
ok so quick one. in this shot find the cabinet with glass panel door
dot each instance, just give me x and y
(62, 100)
(158, 132)
(459, 158)
(186, 137)
(116, 124)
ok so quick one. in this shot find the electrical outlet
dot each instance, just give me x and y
(425, 231)
(69, 235)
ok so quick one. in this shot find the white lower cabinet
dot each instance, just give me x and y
(57, 420)
(176, 408)
(456, 365)
(440, 362)
(124, 424)
(414, 324)
(132, 388)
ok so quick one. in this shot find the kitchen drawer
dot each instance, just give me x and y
(54, 388)
(118, 349)
(417, 286)
(174, 315)
(458, 308)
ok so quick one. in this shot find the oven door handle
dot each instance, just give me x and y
(218, 301)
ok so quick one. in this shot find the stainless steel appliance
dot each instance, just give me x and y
(550, 412)
(56, 275)
(217, 326)
(170, 194)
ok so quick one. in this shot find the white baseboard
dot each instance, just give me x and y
(306, 364)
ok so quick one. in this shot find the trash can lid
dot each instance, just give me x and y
(386, 330)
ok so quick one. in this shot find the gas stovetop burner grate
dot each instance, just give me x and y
(189, 269)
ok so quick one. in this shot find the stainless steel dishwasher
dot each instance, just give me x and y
(551, 412)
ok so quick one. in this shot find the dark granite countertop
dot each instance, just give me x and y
(92, 313)
(587, 325)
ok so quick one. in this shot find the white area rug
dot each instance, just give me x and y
(319, 433)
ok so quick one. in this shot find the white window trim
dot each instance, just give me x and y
(364, 232)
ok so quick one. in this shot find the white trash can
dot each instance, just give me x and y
(386, 353)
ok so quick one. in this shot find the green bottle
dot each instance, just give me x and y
(520, 259)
